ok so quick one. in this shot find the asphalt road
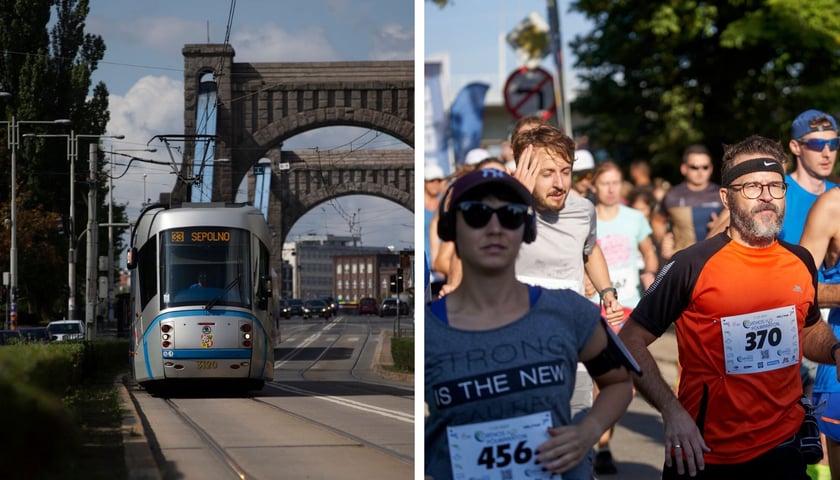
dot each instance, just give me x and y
(637, 444)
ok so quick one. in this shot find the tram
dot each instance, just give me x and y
(201, 300)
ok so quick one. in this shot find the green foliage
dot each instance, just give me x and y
(53, 368)
(402, 351)
(660, 75)
(439, 3)
(47, 65)
(60, 410)
(103, 359)
(39, 434)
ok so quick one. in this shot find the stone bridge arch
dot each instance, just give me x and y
(260, 105)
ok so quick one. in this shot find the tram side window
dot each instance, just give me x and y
(263, 278)
(147, 270)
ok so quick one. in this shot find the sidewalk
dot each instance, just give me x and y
(139, 460)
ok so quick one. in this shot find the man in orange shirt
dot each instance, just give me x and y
(744, 307)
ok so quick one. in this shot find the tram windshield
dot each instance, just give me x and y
(205, 266)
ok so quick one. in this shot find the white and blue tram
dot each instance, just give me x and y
(201, 295)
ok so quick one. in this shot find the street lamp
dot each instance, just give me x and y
(14, 142)
(72, 155)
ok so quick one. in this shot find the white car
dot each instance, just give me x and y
(64, 330)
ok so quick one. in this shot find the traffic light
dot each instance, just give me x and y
(4, 294)
(61, 225)
(400, 280)
(393, 284)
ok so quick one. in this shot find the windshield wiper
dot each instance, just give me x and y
(218, 297)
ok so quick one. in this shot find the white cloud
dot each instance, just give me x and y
(152, 106)
(392, 42)
(158, 33)
(270, 43)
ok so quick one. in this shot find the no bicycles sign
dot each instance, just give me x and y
(530, 92)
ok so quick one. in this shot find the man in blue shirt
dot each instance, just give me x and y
(813, 142)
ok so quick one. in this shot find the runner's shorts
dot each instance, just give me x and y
(828, 413)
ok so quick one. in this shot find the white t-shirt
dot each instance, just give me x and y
(555, 258)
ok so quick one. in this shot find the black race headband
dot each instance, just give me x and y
(763, 164)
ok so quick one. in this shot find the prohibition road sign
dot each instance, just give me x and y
(530, 92)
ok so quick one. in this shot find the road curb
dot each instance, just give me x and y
(139, 461)
(384, 359)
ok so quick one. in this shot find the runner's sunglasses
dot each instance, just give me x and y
(511, 216)
(818, 144)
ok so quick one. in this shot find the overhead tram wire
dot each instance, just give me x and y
(101, 62)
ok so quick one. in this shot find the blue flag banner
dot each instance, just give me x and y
(436, 144)
(466, 119)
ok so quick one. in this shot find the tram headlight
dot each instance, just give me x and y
(165, 336)
(247, 336)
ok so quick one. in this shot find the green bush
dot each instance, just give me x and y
(402, 351)
(39, 434)
(54, 368)
(104, 359)
(48, 393)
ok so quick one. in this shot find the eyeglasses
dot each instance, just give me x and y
(818, 144)
(699, 167)
(511, 216)
(753, 190)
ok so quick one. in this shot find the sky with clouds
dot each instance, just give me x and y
(143, 70)
(470, 34)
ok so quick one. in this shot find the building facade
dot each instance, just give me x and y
(310, 259)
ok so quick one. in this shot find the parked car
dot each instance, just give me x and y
(368, 306)
(35, 334)
(295, 307)
(316, 308)
(330, 301)
(389, 307)
(64, 330)
(10, 337)
(284, 309)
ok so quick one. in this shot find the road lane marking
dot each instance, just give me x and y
(394, 414)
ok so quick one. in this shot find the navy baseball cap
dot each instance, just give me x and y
(484, 178)
(802, 124)
(478, 183)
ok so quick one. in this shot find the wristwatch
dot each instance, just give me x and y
(834, 350)
(611, 289)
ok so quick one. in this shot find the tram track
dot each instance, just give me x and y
(355, 368)
(212, 446)
(358, 352)
(344, 433)
(237, 470)
(322, 416)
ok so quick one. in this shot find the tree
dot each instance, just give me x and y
(47, 68)
(660, 75)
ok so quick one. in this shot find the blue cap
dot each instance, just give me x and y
(802, 124)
